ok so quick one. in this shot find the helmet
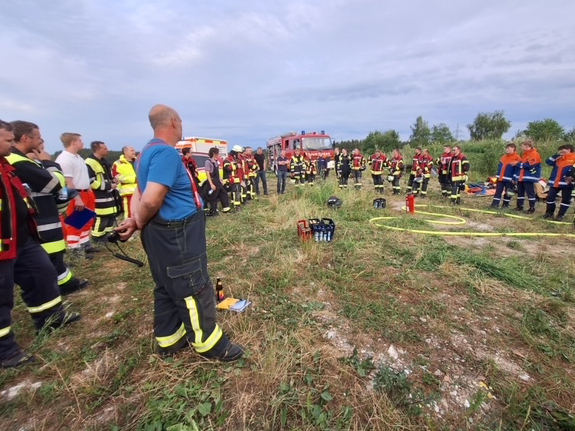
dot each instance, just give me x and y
(334, 202)
(238, 149)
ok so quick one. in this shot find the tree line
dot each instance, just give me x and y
(486, 125)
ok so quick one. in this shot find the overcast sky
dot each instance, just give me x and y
(248, 70)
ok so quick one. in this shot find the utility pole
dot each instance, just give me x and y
(457, 132)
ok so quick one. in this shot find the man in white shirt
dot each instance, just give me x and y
(76, 174)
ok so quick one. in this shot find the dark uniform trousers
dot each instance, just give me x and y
(36, 276)
(184, 297)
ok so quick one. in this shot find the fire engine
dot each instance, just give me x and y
(313, 144)
(199, 147)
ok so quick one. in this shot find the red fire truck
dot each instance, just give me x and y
(313, 144)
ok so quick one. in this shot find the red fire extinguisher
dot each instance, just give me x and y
(410, 203)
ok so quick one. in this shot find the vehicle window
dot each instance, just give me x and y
(201, 159)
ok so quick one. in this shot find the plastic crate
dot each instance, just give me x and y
(303, 230)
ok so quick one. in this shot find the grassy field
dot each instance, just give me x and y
(379, 330)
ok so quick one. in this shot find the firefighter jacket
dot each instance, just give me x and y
(425, 164)
(233, 173)
(298, 165)
(377, 164)
(126, 174)
(44, 185)
(562, 168)
(506, 171)
(310, 168)
(101, 182)
(416, 163)
(396, 166)
(250, 167)
(344, 164)
(11, 190)
(459, 167)
(529, 170)
(444, 163)
(357, 162)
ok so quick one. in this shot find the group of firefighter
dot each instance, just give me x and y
(452, 167)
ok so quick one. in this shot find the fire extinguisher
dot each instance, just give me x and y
(410, 203)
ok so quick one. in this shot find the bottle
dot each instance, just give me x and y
(63, 194)
(220, 295)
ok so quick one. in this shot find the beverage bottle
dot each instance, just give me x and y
(220, 295)
(63, 194)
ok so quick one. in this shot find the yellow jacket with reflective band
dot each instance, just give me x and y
(102, 186)
(126, 174)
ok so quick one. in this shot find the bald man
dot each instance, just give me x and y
(170, 215)
(124, 173)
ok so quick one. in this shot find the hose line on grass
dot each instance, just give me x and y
(460, 221)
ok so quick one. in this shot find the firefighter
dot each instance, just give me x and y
(443, 168)
(426, 165)
(23, 262)
(529, 173)
(458, 168)
(377, 163)
(45, 180)
(395, 170)
(125, 175)
(191, 164)
(506, 175)
(414, 169)
(216, 191)
(250, 173)
(104, 186)
(336, 155)
(561, 180)
(310, 171)
(357, 167)
(297, 167)
(344, 168)
(233, 176)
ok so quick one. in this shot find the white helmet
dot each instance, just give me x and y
(238, 149)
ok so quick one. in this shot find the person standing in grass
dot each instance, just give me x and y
(344, 168)
(357, 167)
(529, 173)
(426, 164)
(560, 181)
(168, 210)
(415, 169)
(216, 190)
(261, 172)
(282, 165)
(395, 170)
(377, 163)
(506, 175)
(459, 169)
(297, 168)
(444, 171)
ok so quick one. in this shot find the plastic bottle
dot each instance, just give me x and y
(63, 194)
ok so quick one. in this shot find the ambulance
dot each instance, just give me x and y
(199, 147)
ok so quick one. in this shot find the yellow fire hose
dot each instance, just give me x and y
(460, 220)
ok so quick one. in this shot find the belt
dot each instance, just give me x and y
(173, 223)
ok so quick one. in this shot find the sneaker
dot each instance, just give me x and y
(225, 351)
(18, 359)
(62, 320)
(530, 210)
(73, 285)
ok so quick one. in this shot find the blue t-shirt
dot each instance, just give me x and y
(162, 164)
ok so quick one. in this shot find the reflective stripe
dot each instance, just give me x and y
(54, 246)
(46, 305)
(170, 340)
(49, 226)
(199, 345)
(65, 277)
(4, 331)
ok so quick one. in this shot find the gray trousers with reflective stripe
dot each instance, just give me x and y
(184, 294)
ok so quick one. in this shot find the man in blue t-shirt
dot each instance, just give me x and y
(168, 210)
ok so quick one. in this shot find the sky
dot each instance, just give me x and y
(249, 70)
